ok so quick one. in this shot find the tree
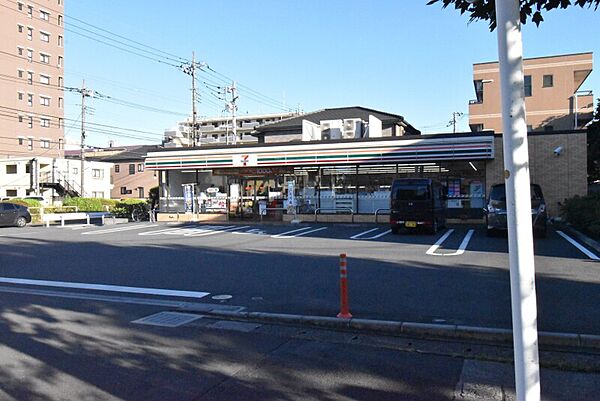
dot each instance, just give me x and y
(593, 139)
(530, 9)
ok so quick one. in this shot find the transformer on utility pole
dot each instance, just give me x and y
(190, 69)
(452, 122)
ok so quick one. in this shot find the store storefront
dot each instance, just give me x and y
(332, 176)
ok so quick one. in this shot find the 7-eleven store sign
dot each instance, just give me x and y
(245, 160)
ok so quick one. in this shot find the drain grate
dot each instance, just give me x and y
(168, 319)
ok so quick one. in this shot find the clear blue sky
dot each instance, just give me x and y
(401, 57)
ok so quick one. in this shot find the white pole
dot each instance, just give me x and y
(576, 109)
(518, 202)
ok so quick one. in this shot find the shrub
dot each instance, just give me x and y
(25, 202)
(583, 212)
(85, 204)
(124, 207)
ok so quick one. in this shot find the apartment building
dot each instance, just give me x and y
(128, 176)
(219, 130)
(31, 79)
(555, 98)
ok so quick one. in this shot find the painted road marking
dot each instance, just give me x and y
(218, 231)
(360, 235)
(104, 287)
(116, 229)
(26, 233)
(461, 248)
(164, 231)
(255, 231)
(300, 231)
(578, 246)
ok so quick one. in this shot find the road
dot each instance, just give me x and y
(294, 269)
(94, 313)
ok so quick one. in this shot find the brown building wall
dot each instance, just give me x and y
(140, 179)
(547, 106)
(560, 177)
(24, 56)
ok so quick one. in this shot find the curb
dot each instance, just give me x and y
(414, 330)
(590, 243)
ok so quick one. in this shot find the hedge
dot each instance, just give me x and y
(583, 212)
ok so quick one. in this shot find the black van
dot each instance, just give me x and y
(417, 203)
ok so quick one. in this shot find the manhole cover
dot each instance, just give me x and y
(221, 297)
(168, 319)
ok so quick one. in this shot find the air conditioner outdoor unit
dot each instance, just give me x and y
(332, 128)
(352, 128)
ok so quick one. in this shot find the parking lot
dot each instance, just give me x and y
(458, 276)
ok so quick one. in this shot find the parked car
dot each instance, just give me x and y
(417, 203)
(14, 215)
(495, 211)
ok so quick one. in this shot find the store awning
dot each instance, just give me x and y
(383, 151)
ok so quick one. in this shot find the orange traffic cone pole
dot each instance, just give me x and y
(344, 308)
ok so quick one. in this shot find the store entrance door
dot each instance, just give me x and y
(253, 191)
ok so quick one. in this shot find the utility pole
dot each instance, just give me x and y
(518, 201)
(84, 93)
(452, 122)
(194, 128)
(232, 107)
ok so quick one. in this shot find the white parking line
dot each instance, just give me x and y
(103, 287)
(363, 233)
(218, 231)
(578, 246)
(255, 231)
(116, 229)
(461, 248)
(300, 231)
(360, 235)
(25, 233)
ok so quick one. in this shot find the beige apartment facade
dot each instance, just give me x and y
(555, 98)
(31, 79)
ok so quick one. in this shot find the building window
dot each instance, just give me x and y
(21, 141)
(61, 144)
(140, 167)
(30, 11)
(20, 73)
(11, 192)
(548, 81)
(60, 20)
(29, 55)
(528, 91)
(140, 192)
(30, 100)
(20, 28)
(44, 58)
(44, 15)
(20, 51)
(97, 194)
(132, 169)
(20, 6)
(60, 41)
(20, 119)
(75, 171)
(60, 123)
(45, 37)
(44, 101)
(60, 81)
(60, 61)
(45, 122)
(29, 33)
(11, 169)
(44, 79)
(30, 142)
(20, 95)
(29, 122)
(44, 143)
(60, 102)
(30, 77)
(97, 173)
(123, 190)
(117, 168)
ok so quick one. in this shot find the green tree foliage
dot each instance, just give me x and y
(530, 9)
(593, 151)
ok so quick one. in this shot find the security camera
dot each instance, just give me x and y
(558, 151)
